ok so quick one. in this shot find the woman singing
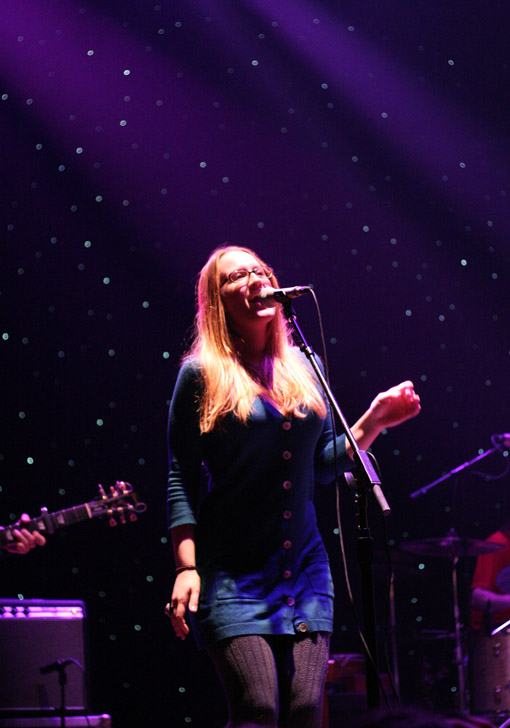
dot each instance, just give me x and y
(251, 567)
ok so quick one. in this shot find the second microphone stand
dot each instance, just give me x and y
(364, 479)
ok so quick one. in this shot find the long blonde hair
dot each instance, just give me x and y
(228, 385)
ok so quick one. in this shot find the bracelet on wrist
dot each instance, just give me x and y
(185, 568)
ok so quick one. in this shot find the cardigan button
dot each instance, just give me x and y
(287, 485)
(303, 627)
(287, 515)
(286, 455)
(290, 601)
(287, 544)
(287, 574)
(286, 426)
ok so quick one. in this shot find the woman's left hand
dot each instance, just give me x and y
(396, 405)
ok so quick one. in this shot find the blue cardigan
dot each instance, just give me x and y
(249, 489)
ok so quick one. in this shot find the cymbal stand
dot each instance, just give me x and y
(459, 653)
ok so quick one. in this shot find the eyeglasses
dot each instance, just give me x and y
(262, 271)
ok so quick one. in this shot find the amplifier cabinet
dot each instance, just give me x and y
(35, 634)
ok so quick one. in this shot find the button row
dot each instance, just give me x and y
(287, 485)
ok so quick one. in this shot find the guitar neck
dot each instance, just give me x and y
(48, 522)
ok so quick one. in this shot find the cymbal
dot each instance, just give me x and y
(450, 547)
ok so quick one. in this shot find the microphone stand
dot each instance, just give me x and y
(60, 667)
(365, 478)
(458, 469)
(62, 681)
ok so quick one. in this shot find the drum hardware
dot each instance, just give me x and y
(436, 634)
(500, 628)
(402, 565)
(437, 670)
(453, 547)
(491, 672)
(494, 667)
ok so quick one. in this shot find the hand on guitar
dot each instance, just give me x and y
(24, 541)
(119, 505)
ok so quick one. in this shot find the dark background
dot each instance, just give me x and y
(361, 147)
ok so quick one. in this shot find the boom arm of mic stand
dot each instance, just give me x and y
(365, 473)
(456, 470)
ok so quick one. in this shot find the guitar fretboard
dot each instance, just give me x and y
(48, 522)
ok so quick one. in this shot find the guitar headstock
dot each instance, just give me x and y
(120, 504)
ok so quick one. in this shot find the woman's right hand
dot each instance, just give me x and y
(184, 596)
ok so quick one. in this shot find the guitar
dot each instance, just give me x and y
(119, 505)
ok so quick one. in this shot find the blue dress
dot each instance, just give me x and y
(260, 556)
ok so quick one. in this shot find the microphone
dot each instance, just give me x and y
(503, 439)
(53, 666)
(271, 296)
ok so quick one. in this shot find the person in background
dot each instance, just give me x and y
(490, 586)
(251, 568)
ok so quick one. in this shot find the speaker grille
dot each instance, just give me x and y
(36, 633)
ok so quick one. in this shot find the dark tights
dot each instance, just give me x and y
(273, 681)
